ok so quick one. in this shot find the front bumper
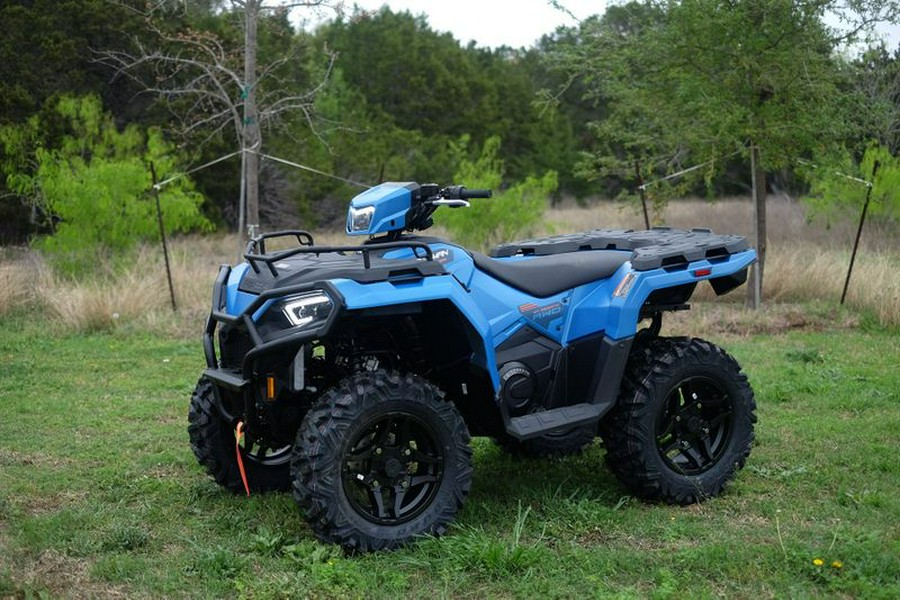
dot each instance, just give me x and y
(262, 345)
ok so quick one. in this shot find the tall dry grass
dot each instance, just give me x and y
(806, 262)
(788, 221)
(134, 295)
(807, 259)
(16, 287)
(801, 271)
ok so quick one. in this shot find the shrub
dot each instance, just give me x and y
(93, 184)
(513, 212)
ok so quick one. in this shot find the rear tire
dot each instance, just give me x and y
(379, 460)
(212, 440)
(683, 424)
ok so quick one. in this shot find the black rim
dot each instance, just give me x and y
(264, 453)
(694, 426)
(393, 468)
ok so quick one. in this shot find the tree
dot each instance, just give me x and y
(94, 183)
(46, 49)
(422, 85)
(877, 79)
(44, 52)
(837, 186)
(221, 86)
(756, 78)
(632, 142)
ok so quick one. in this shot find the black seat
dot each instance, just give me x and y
(544, 276)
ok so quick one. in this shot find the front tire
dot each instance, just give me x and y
(379, 460)
(684, 422)
(212, 440)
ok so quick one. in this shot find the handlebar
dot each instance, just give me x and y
(461, 192)
(431, 196)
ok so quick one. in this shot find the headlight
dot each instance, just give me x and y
(308, 309)
(361, 218)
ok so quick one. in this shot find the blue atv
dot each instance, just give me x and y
(355, 375)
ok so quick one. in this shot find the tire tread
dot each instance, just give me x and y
(625, 434)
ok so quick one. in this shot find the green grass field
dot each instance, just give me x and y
(100, 495)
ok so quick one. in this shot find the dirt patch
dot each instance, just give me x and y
(731, 319)
(62, 576)
(165, 419)
(42, 505)
(165, 471)
(10, 458)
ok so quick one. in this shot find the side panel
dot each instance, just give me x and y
(497, 311)
(591, 307)
(236, 300)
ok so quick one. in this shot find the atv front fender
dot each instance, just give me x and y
(393, 293)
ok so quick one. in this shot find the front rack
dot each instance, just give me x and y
(256, 249)
(258, 244)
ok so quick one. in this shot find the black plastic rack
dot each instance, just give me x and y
(651, 248)
(256, 249)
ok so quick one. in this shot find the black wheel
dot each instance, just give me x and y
(380, 459)
(212, 440)
(684, 422)
(565, 442)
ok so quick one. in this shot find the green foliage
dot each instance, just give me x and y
(644, 90)
(761, 72)
(833, 192)
(47, 49)
(404, 103)
(95, 184)
(687, 83)
(512, 212)
(876, 77)
(632, 142)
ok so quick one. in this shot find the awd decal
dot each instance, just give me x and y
(442, 256)
(536, 312)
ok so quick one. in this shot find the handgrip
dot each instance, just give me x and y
(461, 192)
(466, 193)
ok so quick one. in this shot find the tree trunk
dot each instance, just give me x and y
(252, 140)
(754, 289)
(641, 191)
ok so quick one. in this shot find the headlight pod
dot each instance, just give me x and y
(361, 218)
(308, 310)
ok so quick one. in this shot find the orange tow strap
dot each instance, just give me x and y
(238, 434)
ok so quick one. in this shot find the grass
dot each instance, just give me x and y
(101, 497)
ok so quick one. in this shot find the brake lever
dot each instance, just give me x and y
(450, 203)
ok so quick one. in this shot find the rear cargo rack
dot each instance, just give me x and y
(256, 249)
(651, 249)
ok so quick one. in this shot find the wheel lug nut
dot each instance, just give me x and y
(377, 450)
